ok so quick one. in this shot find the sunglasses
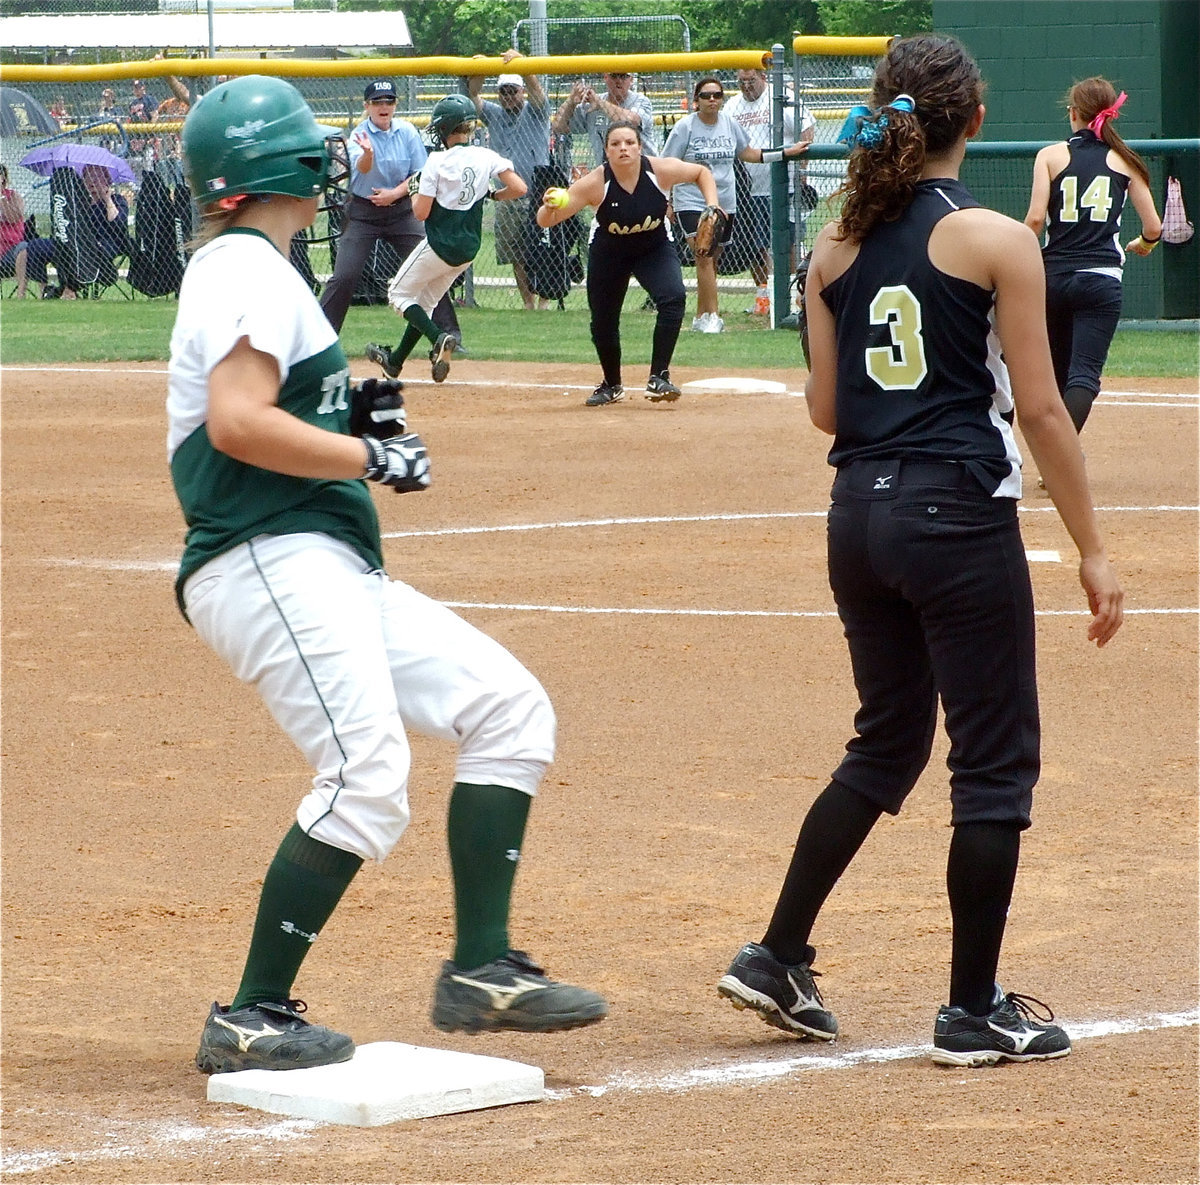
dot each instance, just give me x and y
(711, 95)
(509, 90)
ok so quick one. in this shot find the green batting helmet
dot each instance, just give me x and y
(253, 135)
(449, 114)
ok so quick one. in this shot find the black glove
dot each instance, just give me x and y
(377, 407)
(802, 316)
(401, 462)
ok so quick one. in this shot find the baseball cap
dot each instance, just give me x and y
(383, 88)
(509, 80)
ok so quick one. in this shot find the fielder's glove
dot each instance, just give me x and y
(401, 462)
(710, 231)
(377, 408)
(801, 315)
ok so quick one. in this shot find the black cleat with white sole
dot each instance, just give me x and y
(783, 996)
(511, 992)
(1018, 1029)
(268, 1036)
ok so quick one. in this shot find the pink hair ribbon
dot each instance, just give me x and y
(1108, 113)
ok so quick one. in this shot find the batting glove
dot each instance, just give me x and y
(401, 462)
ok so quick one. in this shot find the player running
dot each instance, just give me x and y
(1080, 187)
(282, 576)
(453, 185)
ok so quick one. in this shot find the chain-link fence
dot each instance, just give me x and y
(138, 121)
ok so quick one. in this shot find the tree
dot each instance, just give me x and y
(873, 18)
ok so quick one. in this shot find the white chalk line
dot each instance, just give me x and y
(1117, 398)
(140, 1139)
(596, 610)
(740, 1073)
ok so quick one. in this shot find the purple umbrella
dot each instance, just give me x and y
(49, 157)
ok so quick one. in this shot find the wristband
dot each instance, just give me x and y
(772, 156)
(1150, 242)
(377, 459)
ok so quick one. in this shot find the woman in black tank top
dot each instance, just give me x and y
(925, 556)
(630, 239)
(1079, 191)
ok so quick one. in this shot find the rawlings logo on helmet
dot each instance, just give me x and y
(245, 131)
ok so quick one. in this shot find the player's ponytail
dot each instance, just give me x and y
(926, 90)
(1096, 103)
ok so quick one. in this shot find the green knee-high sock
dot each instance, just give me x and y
(485, 827)
(419, 319)
(408, 343)
(302, 887)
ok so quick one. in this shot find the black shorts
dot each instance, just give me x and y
(689, 219)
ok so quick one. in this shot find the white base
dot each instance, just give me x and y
(737, 385)
(384, 1082)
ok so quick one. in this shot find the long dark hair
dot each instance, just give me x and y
(1089, 98)
(946, 88)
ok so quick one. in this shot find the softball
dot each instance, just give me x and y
(555, 197)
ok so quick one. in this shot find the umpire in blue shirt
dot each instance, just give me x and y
(384, 153)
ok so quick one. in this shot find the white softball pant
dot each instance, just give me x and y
(346, 660)
(423, 279)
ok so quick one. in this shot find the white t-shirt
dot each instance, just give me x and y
(755, 116)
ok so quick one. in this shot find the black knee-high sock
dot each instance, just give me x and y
(980, 873)
(302, 887)
(1079, 402)
(832, 832)
(666, 334)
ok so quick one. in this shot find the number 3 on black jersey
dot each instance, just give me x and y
(900, 366)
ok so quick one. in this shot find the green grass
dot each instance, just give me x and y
(36, 332)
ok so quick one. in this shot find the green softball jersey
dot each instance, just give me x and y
(239, 286)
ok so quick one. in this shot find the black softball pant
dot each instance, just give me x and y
(608, 275)
(1082, 311)
(932, 586)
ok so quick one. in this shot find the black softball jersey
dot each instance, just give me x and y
(919, 372)
(637, 219)
(1083, 218)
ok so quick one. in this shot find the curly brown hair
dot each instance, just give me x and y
(1088, 98)
(946, 87)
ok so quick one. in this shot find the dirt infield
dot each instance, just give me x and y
(661, 569)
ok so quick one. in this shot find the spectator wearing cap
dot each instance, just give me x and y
(518, 129)
(585, 110)
(142, 106)
(384, 153)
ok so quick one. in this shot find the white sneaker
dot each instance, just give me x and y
(713, 324)
(698, 323)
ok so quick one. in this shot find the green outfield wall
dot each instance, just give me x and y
(1031, 51)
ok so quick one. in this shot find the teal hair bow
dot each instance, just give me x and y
(864, 129)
